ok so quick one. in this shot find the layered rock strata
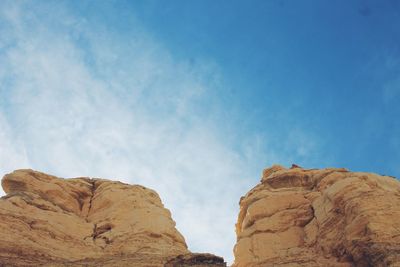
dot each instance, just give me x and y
(328, 217)
(50, 221)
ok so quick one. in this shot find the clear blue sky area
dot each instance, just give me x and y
(331, 68)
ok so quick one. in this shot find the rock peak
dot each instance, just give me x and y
(327, 217)
(271, 170)
(46, 220)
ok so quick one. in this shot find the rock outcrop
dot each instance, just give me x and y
(196, 260)
(50, 221)
(328, 217)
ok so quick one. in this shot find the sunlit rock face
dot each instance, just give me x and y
(328, 217)
(50, 221)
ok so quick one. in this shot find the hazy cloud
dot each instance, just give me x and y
(79, 99)
(125, 111)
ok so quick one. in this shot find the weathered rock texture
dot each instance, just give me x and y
(329, 217)
(49, 221)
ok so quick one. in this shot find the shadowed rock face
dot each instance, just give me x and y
(45, 220)
(328, 217)
(196, 260)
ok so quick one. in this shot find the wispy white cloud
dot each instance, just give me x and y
(121, 108)
(79, 99)
(13, 154)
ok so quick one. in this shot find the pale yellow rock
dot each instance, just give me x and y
(50, 221)
(328, 217)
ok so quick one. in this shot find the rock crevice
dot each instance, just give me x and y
(92, 193)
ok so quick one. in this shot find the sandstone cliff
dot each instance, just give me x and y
(50, 221)
(329, 217)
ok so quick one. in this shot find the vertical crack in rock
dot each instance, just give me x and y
(92, 190)
(95, 231)
(94, 234)
(98, 230)
(313, 215)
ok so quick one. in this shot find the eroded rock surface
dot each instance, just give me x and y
(328, 217)
(50, 221)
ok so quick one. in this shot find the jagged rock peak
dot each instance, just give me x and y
(327, 217)
(50, 221)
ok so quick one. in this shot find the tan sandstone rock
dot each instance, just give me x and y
(50, 221)
(328, 217)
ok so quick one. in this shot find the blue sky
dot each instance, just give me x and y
(195, 98)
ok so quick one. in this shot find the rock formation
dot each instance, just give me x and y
(196, 260)
(50, 221)
(329, 217)
(293, 217)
